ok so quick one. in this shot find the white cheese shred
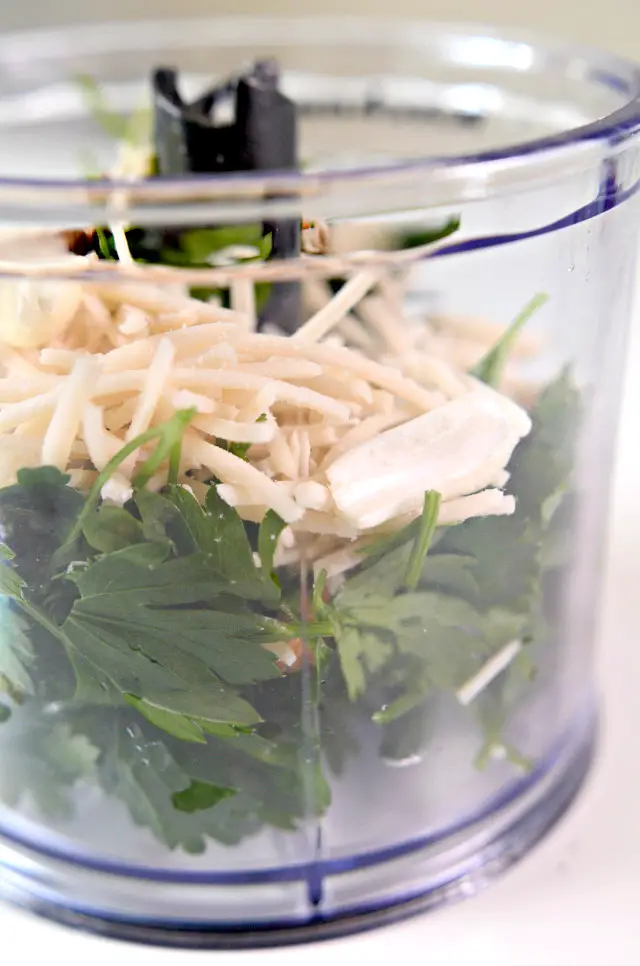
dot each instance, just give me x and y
(320, 324)
(67, 416)
(472, 688)
(346, 422)
(155, 380)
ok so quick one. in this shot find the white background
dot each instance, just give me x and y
(609, 23)
(576, 899)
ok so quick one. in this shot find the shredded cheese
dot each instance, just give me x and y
(231, 469)
(65, 422)
(114, 358)
(488, 673)
(101, 445)
(320, 324)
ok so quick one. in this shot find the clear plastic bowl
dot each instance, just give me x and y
(432, 710)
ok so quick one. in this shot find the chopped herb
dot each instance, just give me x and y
(16, 650)
(200, 796)
(269, 534)
(428, 521)
(428, 236)
(490, 367)
(44, 763)
(135, 129)
(106, 248)
(114, 124)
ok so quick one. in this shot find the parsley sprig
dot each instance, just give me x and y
(135, 636)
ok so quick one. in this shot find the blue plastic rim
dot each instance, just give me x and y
(523, 162)
(321, 868)
(511, 844)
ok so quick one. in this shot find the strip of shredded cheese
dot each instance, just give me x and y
(135, 353)
(66, 418)
(320, 324)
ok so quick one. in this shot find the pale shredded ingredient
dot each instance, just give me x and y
(488, 672)
(333, 428)
(67, 416)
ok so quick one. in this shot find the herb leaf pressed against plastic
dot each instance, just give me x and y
(163, 606)
(479, 587)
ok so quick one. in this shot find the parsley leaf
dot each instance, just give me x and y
(427, 236)
(36, 513)
(216, 530)
(144, 774)
(268, 536)
(111, 528)
(114, 124)
(135, 620)
(16, 650)
(506, 551)
(135, 129)
(43, 761)
(489, 368)
(541, 466)
(200, 796)
(199, 244)
(478, 588)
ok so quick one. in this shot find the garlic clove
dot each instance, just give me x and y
(457, 449)
(34, 313)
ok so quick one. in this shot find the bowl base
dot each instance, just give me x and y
(526, 822)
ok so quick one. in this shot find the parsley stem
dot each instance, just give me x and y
(170, 440)
(41, 618)
(422, 542)
(306, 629)
(169, 435)
(174, 463)
(103, 244)
(490, 367)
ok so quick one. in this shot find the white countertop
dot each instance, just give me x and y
(574, 900)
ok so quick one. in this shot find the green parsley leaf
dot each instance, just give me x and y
(36, 513)
(43, 762)
(489, 368)
(268, 536)
(16, 649)
(135, 129)
(541, 465)
(410, 731)
(114, 124)
(452, 574)
(506, 551)
(163, 523)
(352, 649)
(111, 528)
(106, 245)
(135, 602)
(200, 796)
(169, 438)
(175, 724)
(427, 236)
(199, 244)
(218, 531)
(144, 774)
